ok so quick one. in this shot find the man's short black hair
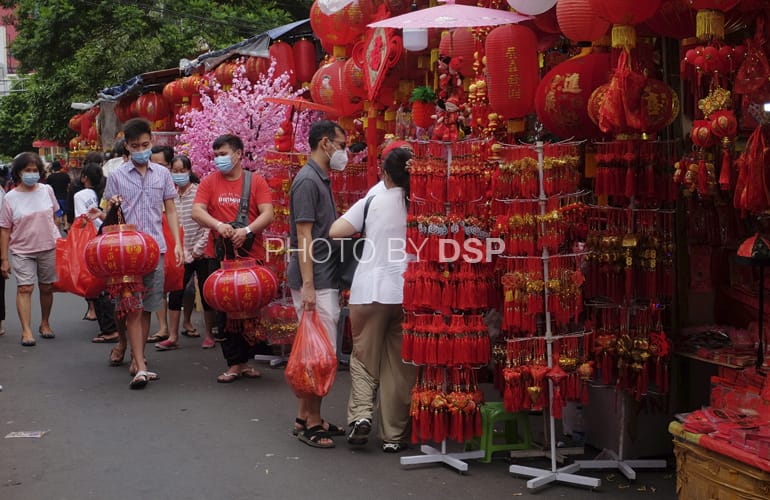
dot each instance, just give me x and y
(321, 129)
(235, 142)
(135, 128)
(168, 152)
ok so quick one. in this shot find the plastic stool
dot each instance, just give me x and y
(517, 434)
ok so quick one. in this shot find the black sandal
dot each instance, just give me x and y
(333, 430)
(314, 435)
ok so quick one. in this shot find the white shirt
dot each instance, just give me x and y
(379, 276)
(84, 200)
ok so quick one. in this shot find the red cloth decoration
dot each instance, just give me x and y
(75, 122)
(512, 70)
(561, 100)
(304, 61)
(578, 22)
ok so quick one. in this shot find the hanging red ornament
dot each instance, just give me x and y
(710, 17)
(283, 55)
(256, 67)
(122, 256)
(578, 21)
(701, 133)
(225, 73)
(459, 43)
(353, 78)
(326, 88)
(152, 106)
(561, 100)
(240, 288)
(512, 70)
(174, 93)
(624, 14)
(304, 61)
(342, 28)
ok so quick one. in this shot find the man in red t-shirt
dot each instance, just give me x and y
(215, 206)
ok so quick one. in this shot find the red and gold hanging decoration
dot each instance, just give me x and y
(121, 255)
(241, 288)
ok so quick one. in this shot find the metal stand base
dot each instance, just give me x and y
(608, 459)
(542, 477)
(432, 456)
(539, 450)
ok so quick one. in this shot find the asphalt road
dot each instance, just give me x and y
(188, 437)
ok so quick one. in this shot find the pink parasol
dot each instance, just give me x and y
(451, 15)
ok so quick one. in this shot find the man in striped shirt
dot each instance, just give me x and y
(143, 189)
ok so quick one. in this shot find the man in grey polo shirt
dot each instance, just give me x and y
(312, 272)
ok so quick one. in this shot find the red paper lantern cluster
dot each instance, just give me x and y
(327, 88)
(711, 58)
(512, 70)
(562, 97)
(241, 288)
(121, 255)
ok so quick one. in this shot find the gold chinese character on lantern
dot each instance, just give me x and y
(572, 84)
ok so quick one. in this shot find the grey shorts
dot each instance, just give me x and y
(153, 286)
(35, 267)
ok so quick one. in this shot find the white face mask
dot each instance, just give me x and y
(338, 160)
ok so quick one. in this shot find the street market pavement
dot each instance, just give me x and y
(188, 437)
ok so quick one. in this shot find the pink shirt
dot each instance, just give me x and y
(30, 217)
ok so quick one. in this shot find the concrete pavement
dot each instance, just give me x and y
(188, 437)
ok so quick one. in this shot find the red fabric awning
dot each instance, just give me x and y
(45, 143)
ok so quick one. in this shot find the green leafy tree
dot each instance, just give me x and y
(74, 48)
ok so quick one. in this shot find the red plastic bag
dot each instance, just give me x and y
(312, 364)
(172, 274)
(74, 276)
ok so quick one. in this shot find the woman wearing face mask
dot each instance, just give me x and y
(28, 235)
(196, 261)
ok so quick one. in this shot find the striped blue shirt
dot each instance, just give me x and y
(143, 197)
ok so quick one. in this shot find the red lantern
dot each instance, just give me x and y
(256, 67)
(240, 288)
(724, 124)
(122, 256)
(578, 22)
(595, 102)
(191, 84)
(353, 78)
(175, 93)
(562, 97)
(152, 106)
(701, 133)
(225, 73)
(327, 88)
(624, 14)
(459, 43)
(164, 124)
(660, 106)
(673, 19)
(284, 61)
(344, 26)
(512, 70)
(123, 110)
(710, 19)
(721, 5)
(304, 61)
(75, 122)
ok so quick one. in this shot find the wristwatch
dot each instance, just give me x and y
(248, 230)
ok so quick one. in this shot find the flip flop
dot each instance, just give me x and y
(28, 343)
(141, 379)
(156, 338)
(114, 360)
(208, 344)
(228, 377)
(103, 339)
(166, 345)
(250, 373)
(191, 333)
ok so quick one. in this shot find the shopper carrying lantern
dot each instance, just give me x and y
(216, 206)
(376, 314)
(313, 267)
(143, 189)
(28, 235)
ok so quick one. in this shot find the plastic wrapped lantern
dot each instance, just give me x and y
(240, 288)
(578, 21)
(512, 70)
(624, 14)
(353, 78)
(121, 255)
(152, 106)
(561, 100)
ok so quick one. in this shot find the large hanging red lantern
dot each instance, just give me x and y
(327, 88)
(562, 97)
(123, 110)
(660, 106)
(284, 61)
(624, 14)
(512, 70)
(121, 255)
(256, 67)
(225, 73)
(459, 43)
(191, 84)
(710, 17)
(75, 122)
(304, 61)
(175, 93)
(578, 22)
(353, 78)
(240, 288)
(152, 106)
(344, 27)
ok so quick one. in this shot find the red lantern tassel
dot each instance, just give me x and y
(724, 173)
(557, 406)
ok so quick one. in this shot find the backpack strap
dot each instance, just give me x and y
(243, 208)
(366, 212)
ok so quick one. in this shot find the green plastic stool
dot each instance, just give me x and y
(515, 436)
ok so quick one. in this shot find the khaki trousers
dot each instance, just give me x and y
(376, 362)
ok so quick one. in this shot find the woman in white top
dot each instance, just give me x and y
(376, 297)
(87, 199)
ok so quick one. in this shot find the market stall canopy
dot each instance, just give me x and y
(451, 15)
(256, 46)
(45, 143)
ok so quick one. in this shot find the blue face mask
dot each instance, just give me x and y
(181, 180)
(30, 178)
(141, 157)
(223, 163)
